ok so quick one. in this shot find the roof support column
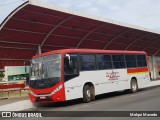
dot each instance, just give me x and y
(157, 52)
(39, 49)
(153, 72)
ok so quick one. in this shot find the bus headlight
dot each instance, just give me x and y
(57, 89)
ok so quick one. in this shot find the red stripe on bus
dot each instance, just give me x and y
(137, 70)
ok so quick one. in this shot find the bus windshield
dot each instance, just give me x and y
(45, 71)
(46, 67)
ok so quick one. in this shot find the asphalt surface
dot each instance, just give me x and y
(144, 100)
(6, 101)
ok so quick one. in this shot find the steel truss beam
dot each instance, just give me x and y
(115, 39)
(135, 41)
(89, 33)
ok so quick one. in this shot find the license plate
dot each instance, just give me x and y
(42, 97)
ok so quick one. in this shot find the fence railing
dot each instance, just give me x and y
(12, 87)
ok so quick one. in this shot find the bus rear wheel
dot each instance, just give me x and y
(92, 93)
(86, 94)
(134, 86)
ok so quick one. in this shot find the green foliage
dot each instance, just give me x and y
(1, 74)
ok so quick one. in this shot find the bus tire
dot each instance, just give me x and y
(134, 86)
(86, 94)
(92, 93)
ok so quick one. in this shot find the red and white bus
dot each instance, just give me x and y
(68, 74)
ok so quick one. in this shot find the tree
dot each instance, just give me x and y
(1, 74)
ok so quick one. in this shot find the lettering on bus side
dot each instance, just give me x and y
(112, 75)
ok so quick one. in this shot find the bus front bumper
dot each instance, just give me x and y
(56, 96)
(46, 98)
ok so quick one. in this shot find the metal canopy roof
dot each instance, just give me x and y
(36, 24)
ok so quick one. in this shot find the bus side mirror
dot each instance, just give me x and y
(71, 64)
(68, 63)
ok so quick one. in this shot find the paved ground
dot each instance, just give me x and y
(23, 103)
(6, 101)
(145, 100)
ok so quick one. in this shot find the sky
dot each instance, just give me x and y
(143, 13)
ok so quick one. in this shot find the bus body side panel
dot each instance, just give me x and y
(103, 80)
(141, 74)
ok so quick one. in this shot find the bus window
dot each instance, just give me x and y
(87, 62)
(141, 60)
(118, 61)
(104, 62)
(131, 61)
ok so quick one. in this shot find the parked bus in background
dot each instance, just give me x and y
(84, 73)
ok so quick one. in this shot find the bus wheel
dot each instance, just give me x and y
(86, 94)
(134, 86)
(92, 93)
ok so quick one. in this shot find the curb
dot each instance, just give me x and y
(3, 98)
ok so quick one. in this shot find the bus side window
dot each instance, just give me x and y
(118, 61)
(104, 61)
(71, 64)
(141, 59)
(87, 62)
(130, 61)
